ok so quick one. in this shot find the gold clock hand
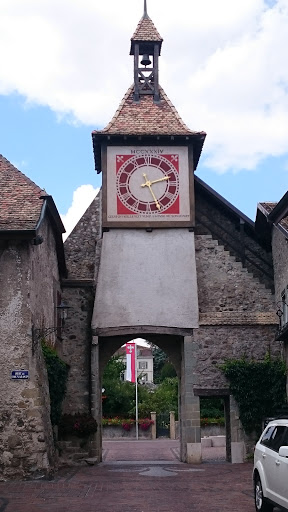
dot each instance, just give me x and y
(161, 179)
(154, 197)
(148, 184)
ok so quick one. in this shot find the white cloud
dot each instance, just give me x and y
(82, 198)
(223, 65)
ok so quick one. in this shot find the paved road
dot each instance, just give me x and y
(149, 478)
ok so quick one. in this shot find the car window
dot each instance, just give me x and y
(285, 438)
(273, 437)
(267, 436)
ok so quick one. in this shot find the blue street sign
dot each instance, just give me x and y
(20, 374)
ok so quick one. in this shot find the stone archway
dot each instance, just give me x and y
(180, 351)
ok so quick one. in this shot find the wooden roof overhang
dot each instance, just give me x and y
(99, 139)
(272, 214)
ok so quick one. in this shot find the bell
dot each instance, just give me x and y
(145, 61)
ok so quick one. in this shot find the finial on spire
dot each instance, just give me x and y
(145, 15)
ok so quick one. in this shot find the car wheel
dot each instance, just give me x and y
(261, 503)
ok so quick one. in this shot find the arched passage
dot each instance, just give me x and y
(180, 352)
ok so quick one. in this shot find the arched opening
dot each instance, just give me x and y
(104, 348)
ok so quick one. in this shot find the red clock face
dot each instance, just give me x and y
(147, 185)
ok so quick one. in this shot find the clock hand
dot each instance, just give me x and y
(148, 184)
(161, 179)
(154, 197)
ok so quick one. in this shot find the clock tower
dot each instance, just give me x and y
(146, 152)
(146, 283)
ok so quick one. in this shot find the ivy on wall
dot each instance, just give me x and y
(259, 387)
(57, 376)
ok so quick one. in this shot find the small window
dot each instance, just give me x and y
(285, 438)
(273, 437)
(267, 436)
(143, 365)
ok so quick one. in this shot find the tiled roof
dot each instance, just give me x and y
(20, 203)
(267, 208)
(146, 31)
(146, 117)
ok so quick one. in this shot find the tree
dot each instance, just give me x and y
(120, 396)
(259, 387)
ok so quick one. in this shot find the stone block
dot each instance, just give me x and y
(206, 442)
(237, 452)
(218, 441)
(193, 453)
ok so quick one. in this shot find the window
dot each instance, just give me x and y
(285, 438)
(142, 365)
(273, 437)
(266, 436)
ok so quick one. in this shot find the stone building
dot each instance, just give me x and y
(32, 265)
(203, 291)
(272, 225)
(162, 257)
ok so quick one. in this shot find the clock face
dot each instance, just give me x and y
(147, 186)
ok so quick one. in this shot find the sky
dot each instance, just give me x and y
(65, 67)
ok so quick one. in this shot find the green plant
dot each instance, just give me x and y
(57, 371)
(81, 425)
(259, 387)
(120, 396)
(212, 421)
(211, 407)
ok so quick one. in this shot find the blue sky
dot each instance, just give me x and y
(226, 75)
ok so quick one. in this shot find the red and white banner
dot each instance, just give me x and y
(130, 362)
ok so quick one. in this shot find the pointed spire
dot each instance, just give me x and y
(145, 15)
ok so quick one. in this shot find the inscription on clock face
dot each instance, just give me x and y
(147, 185)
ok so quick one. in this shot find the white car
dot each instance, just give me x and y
(270, 473)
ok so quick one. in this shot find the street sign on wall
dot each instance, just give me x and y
(19, 374)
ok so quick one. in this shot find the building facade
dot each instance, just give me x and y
(158, 254)
(32, 266)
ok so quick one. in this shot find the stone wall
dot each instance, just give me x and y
(236, 316)
(75, 347)
(235, 234)
(80, 246)
(280, 259)
(29, 278)
(81, 250)
(236, 313)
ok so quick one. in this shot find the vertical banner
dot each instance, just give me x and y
(130, 362)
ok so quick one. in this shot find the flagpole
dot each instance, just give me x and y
(136, 392)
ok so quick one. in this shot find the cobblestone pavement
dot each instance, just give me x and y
(149, 478)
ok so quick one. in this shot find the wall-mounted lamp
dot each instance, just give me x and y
(279, 312)
(39, 333)
(282, 309)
